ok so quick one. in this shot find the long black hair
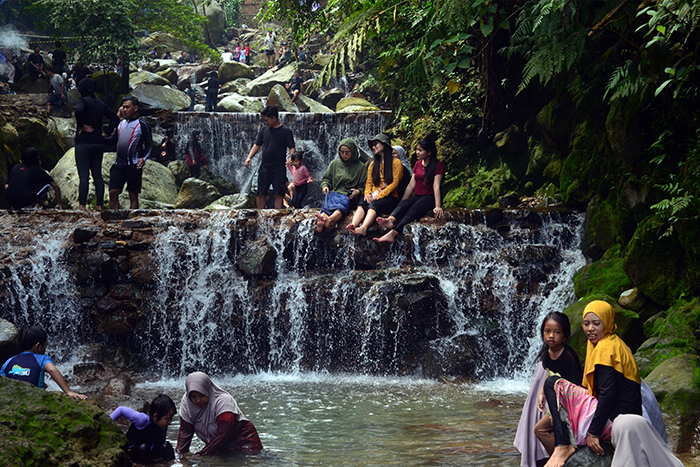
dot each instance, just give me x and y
(429, 146)
(194, 142)
(388, 158)
(161, 406)
(563, 321)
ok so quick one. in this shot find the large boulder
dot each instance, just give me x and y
(216, 21)
(8, 340)
(196, 194)
(674, 387)
(162, 39)
(355, 104)
(331, 97)
(154, 98)
(229, 71)
(169, 74)
(263, 84)
(257, 260)
(238, 103)
(279, 97)
(146, 77)
(63, 129)
(46, 428)
(237, 201)
(33, 131)
(180, 171)
(511, 140)
(237, 86)
(158, 183)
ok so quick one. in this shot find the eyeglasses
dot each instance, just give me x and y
(346, 153)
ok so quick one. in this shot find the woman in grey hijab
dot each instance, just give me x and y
(398, 151)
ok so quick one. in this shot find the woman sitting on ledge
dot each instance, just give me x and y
(383, 177)
(342, 184)
(424, 185)
(612, 387)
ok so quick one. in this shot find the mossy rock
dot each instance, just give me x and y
(609, 222)
(41, 428)
(671, 333)
(33, 132)
(482, 189)
(606, 276)
(555, 123)
(590, 168)
(688, 233)
(624, 129)
(539, 159)
(655, 264)
(675, 385)
(355, 104)
(629, 326)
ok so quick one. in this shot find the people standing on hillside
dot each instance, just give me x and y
(58, 92)
(269, 44)
(133, 139)
(195, 158)
(27, 183)
(80, 72)
(227, 56)
(274, 139)
(58, 59)
(191, 93)
(383, 177)
(425, 186)
(343, 184)
(89, 143)
(212, 92)
(295, 85)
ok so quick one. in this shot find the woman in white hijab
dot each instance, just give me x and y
(213, 414)
(638, 444)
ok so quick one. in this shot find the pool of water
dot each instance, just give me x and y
(322, 420)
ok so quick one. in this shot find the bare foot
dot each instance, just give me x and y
(82, 208)
(386, 223)
(351, 228)
(321, 222)
(387, 237)
(359, 231)
(560, 456)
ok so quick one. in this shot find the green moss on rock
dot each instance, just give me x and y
(606, 275)
(609, 222)
(482, 189)
(41, 428)
(656, 264)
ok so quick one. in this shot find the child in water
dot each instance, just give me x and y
(31, 365)
(147, 432)
(557, 357)
(301, 178)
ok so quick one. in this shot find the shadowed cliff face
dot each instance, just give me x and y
(250, 291)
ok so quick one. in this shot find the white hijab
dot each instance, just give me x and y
(403, 158)
(204, 419)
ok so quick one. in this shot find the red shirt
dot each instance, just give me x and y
(419, 173)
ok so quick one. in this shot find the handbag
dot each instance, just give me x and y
(335, 202)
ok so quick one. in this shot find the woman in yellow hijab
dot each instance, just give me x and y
(611, 386)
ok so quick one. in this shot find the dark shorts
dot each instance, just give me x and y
(381, 206)
(275, 177)
(129, 174)
(56, 99)
(269, 52)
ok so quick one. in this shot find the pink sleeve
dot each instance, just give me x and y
(305, 173)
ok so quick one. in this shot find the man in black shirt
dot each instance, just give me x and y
(274, 139)
(35, 63)
(58, 59)
(29, 183)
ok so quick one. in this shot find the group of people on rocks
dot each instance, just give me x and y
(568, 408)
(205, 409)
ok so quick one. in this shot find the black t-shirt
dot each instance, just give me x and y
(275, 142)
(567, 365)
(59, 58)
(23, 184)
(616, 395)
(36, 60)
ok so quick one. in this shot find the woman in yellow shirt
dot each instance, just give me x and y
(383, 177)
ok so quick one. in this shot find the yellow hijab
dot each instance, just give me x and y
(610, 350)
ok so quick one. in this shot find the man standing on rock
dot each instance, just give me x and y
(275, 139)
(133, 139)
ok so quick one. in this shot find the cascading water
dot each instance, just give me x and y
(227, 138)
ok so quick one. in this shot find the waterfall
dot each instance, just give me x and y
(227, 138)
(459, 297)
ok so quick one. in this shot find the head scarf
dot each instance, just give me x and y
(87, 87)
(349, 142)
(610, 350)
(204, 419)
(403, 158)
